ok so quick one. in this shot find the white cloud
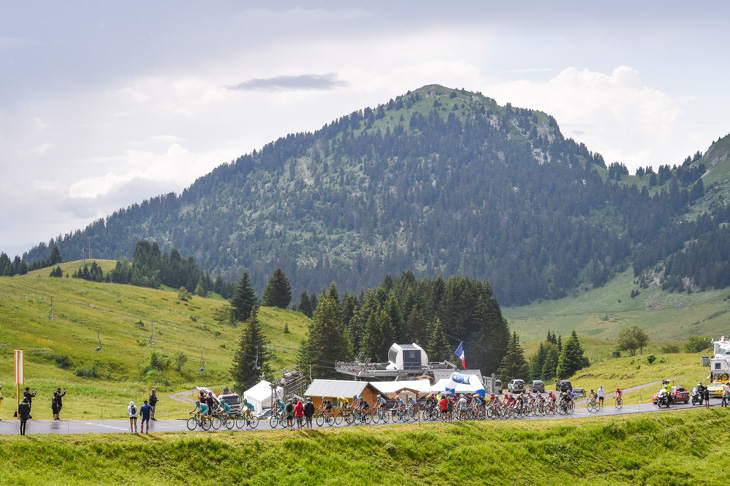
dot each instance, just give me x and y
(614, 114)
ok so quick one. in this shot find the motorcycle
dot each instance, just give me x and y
(697, 396)
(663, 400)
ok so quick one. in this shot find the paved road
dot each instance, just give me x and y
(8, 427)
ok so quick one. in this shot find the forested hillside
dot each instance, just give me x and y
(437, 181)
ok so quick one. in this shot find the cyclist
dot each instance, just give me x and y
(619, 394)
(414, 405)
(247, 409)
(200, 409)
(363, 406)
(380, 403)
(226, 409)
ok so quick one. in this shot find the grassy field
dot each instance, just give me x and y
(669, 449)
(601, 313)
(61, 351)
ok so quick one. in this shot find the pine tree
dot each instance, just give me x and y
(278, 291)
(550, 366)
(251, 358)
(244, 300)
(379, 335)
(438, 346)
(571, 358)
(537, 362)
(55, 258)
(305, 305)
(417, 328)
(513, 364)
(327, 341)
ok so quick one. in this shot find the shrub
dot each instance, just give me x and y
(670, 349)
(63, 361)
(651, 358)
(695, 344)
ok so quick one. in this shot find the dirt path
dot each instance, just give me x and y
(183, 396)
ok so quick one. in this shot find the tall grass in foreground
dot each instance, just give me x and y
(668, 448)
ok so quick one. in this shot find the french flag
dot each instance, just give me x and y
(460, 354)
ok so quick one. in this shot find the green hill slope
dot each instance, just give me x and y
(61, 351)
(601, 313)
(667, 448)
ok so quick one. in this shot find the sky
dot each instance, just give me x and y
(104, 104)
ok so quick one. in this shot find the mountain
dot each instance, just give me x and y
(438, 181)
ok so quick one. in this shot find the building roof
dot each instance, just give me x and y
(337, 388)
(390, 387)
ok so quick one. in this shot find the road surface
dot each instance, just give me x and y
(9, 427)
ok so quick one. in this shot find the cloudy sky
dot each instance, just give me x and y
(103, 103)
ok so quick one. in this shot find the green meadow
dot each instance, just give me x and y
(187, 336)
(672, 448)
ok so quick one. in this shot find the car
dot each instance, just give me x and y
(516, 386)
(537, 386)
(498, 387)
(564, 386)
(679, 395)
(715, 388)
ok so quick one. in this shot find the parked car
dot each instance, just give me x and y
(679, 395)
(563, 386)
(498, 387)
(516, 386)
(537, 386)
(715, 388)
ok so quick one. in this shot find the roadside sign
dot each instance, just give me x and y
(18, 367)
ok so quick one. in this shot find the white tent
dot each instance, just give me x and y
(260, 395)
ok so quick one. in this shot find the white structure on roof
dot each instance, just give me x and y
(336, 388)
(260, 395)
(720, 361)
(409, 357)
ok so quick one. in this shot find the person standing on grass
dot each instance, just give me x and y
(132, 413)
(23, 414)
(28, 395)
(153, 402)
(308, 413)
(145, 410)
(57, 402)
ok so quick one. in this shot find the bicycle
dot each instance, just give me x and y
(197, 420)
(593, 405)
(618, 403)
(247, 419)
(380, 415)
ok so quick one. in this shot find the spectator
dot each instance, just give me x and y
(132, 412)
(299, 414)
(210, 401)
(27, 394)
(153, 402)
(725, 396)
(146, 410)
(308, 413)
(601, 395)
(57, 402)
(1, 399)
(707, 397)
(289, 410)
(23, 414)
